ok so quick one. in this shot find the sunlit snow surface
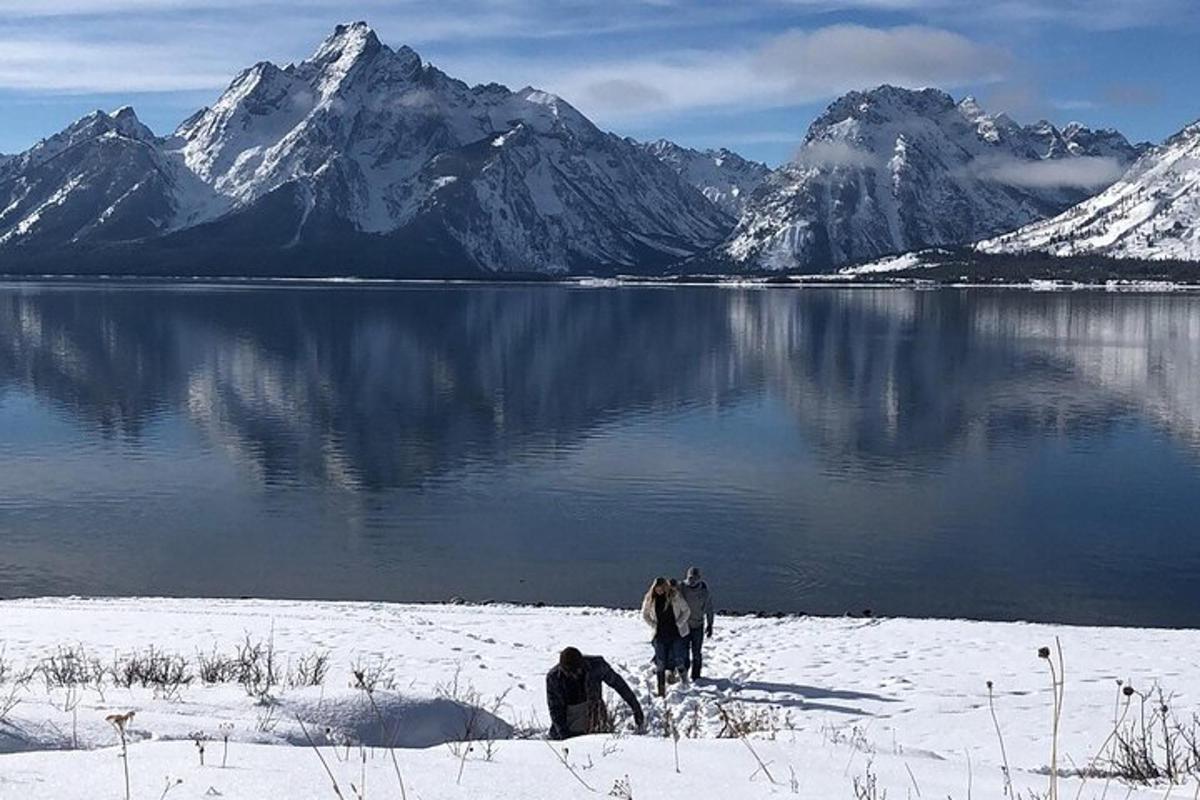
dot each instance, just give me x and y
(1151, 213)
(892, 170)
(905, 699)
(363, 138)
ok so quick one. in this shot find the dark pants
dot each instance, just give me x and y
(694, 659)
(670, 654)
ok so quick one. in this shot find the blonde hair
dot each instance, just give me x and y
(654, 584)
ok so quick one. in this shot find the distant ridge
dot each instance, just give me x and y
(366, 161)
(893, 170)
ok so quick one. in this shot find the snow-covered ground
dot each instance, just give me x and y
(833, 700)
(1151, 213)
(900, 263)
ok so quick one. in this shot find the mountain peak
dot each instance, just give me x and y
(348, 44)
(970, 107)
(884, 102)
(124, 122)
(1188, 136)
(354, 49)
(921, 100)
(353, 37)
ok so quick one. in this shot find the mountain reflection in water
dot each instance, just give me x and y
(951, 453)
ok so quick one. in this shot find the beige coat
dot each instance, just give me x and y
(682, 612)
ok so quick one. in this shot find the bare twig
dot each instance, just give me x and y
(120, 721)
(562, 760)
(762, 765)
(387, 742)
(1008, 790)
(912, 778)
(336, 789)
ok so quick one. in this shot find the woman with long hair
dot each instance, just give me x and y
(667, 613)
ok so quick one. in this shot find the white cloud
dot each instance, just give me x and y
(788, 69)
(56, 65)
(842, 57)
(834, 154)
(1084, 172)
(648, 69)
(1087, 14)
(675, 82)
(624, 92)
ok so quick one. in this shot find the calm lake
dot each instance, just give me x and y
(975, 453)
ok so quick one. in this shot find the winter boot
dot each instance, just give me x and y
(662, 683)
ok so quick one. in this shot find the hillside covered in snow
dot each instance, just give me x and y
(892, 170)
(723, 176)
(1151, 213)
(359, 160)
(367, 161)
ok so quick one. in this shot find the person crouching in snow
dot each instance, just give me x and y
(665, 610)
(575, 694)
(699, 600)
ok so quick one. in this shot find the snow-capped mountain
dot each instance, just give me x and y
(723, 176)
(359, 159)
(103, 178)
(1152, 212)
(892, 170)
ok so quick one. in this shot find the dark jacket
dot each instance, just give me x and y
(564, 689)
(699, 601)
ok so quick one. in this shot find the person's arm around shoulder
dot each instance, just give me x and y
(683, 613)
(614, 680)
(648, 615)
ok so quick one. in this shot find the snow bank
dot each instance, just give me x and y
(393, 720)
(826, 701)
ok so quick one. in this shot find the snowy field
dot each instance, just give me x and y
(791, 707)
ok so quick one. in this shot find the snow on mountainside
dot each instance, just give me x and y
(892, 170)
(368, 156)
(1151, 213)
(103, 178)
(724, 177)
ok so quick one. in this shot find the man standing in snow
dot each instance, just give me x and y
(575, 694)
(699, 600)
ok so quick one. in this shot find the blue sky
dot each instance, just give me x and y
(750, 75)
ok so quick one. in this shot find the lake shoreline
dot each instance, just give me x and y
(866, 615)
(820, 281)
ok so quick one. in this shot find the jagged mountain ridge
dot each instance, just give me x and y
(1151, 213)
(362, 155)
(364, 160)
(102, 178)
(724, 177)
(892, 170)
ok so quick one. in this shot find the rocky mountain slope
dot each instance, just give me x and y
(1151, 213)
(892, 170)
(359, 160)
(365, 160)
(723, 176)
(103, 178)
